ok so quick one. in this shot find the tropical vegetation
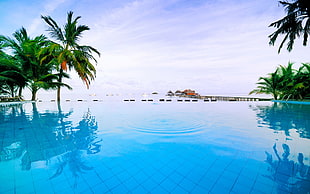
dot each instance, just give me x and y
(40, 63)
(295, 24)
(286, 83)
(67, 52)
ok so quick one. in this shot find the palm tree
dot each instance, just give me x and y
(302, 81)
(286, 83)
(294, 25)
(67, 52)
(11, 75)
(269, 85)
(26, 53)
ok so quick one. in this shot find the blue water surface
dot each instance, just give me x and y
(155, 147)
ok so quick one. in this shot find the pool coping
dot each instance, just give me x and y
(14, 103)
(292, 102)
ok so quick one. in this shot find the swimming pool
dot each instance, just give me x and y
(155, 147)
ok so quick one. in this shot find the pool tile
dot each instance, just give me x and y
(158, 177)
(20, 181)
(112, 182)
(123, 176)
(230, 175)
(168, 184)
(25, 189)
(262, 179)
(39, 175)
(141, 176)
(176, 177)
(242, 186)
(7, 191)
(226, 182)
(43, 186)
(131, 183)
(196, 174)
(62, 186)
(104, 174)
(101, 188)
(133, 169)
(139, 189)
(187, 184)
(219, 188)
(121, 188)
(199, 190)
(179, 190)
(92, 178)
(207, 182)
(262, 188)
(150, 184)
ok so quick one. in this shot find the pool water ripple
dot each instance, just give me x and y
(168, 125)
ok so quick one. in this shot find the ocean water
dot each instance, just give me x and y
(112, 146)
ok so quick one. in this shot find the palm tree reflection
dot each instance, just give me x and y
(284, 117)
(48, 136)
(80, 138)
(291, 176)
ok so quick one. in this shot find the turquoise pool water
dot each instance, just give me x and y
(155, 147)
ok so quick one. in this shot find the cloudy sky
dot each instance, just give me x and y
(212, 46)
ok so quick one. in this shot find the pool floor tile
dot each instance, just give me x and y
(207, 182)
(199, 190)
(100, 188)
(121, 188)
(139, 189)
(179, 190)
(131, 183)
(150, 184)
(112, 182)
(168, 184)
(187, 184)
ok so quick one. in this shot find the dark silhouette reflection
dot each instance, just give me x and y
(290, 176)
(284, 117)
(45, 136)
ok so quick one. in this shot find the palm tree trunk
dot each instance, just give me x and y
(20, 91)
(34, 94)
(60, 81)
(58, 94)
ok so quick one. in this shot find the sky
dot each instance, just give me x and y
(216, 47)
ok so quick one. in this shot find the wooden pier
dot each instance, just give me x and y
(227, 98)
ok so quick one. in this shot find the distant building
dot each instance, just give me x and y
(190, 92)
(178, 93)
(187, 92)
(170, 93)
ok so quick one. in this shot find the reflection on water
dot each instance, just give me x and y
(285, 117)
(45, 136)
(290, 176)
(214, 147)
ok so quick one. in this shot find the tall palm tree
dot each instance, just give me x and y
(68, 53)
(294, 25)
(269, 85)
